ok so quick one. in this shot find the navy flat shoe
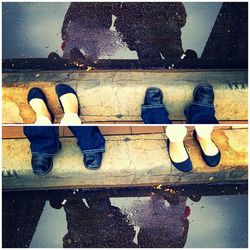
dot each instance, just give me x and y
(211, 161)
(92, 160)
(184, 166)
(62, 89)
(153, 96)
(38, 93)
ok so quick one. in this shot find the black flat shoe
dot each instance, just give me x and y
(41, 164)
(92, 160)
(38, 93)
(203, 95)
(211, 161)
(62, 89)
(153, 96)
(184, 166)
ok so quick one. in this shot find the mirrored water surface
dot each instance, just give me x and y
(218, 218)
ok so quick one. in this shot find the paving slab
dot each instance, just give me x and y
(129, 160)
(116, 96)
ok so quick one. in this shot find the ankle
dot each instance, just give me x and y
(40, 108)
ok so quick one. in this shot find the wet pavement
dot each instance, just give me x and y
(196, 217)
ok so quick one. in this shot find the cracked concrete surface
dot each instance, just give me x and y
(118, 95)
(131, 160)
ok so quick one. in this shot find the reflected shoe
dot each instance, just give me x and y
(190, 55)
(153, 96)
(184, 166)
(203, 95)
(149, 56)
(41, 164)
(77, 58)
(36, 93)
(92, 160)
(211, 161)
(63, 89)
(56, 204)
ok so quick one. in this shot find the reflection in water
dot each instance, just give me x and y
(161, 226)
(86, 31)
(160, 220)
(152, 29)
(33, 30)
(98, 225)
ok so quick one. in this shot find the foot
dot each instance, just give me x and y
(70, 103)
(38, 102)
(179, 156)
(209, 151)
(208, 146)
(177, 152)
(68, 99)
(40, 108)
(92, 160)
(41, 163)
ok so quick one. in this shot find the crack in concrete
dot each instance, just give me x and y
(118, 100)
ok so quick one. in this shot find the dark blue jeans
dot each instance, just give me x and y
(45, 139)
(195, 114)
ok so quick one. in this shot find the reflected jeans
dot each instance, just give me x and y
(195, 114)
(45, 139)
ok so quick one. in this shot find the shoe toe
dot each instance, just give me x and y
(93, 161)
(185, 166)
(212, 161)
(36, 93)
(153, 96)
(204, 94)
(41, 164)
(62, 89)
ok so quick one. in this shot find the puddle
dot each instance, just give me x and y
(150, 220)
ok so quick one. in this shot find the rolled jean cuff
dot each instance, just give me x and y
(143, 106)
(37, 153)
(203, 105)
(97, 150)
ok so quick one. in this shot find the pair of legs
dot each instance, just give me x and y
(44, 143)
(68, 100)
(201, 111)
(150, 42)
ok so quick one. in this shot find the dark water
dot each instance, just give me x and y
(217, 218)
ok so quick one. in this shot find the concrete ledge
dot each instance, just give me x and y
(133, 160)
(116, 96)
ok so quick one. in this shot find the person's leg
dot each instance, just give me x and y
(69, 103)
(153, 111)
(169, 39)
(44, 143)
(201, 110)
(177, 151)
(209, 150)
(91, 143)
(176, 135)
